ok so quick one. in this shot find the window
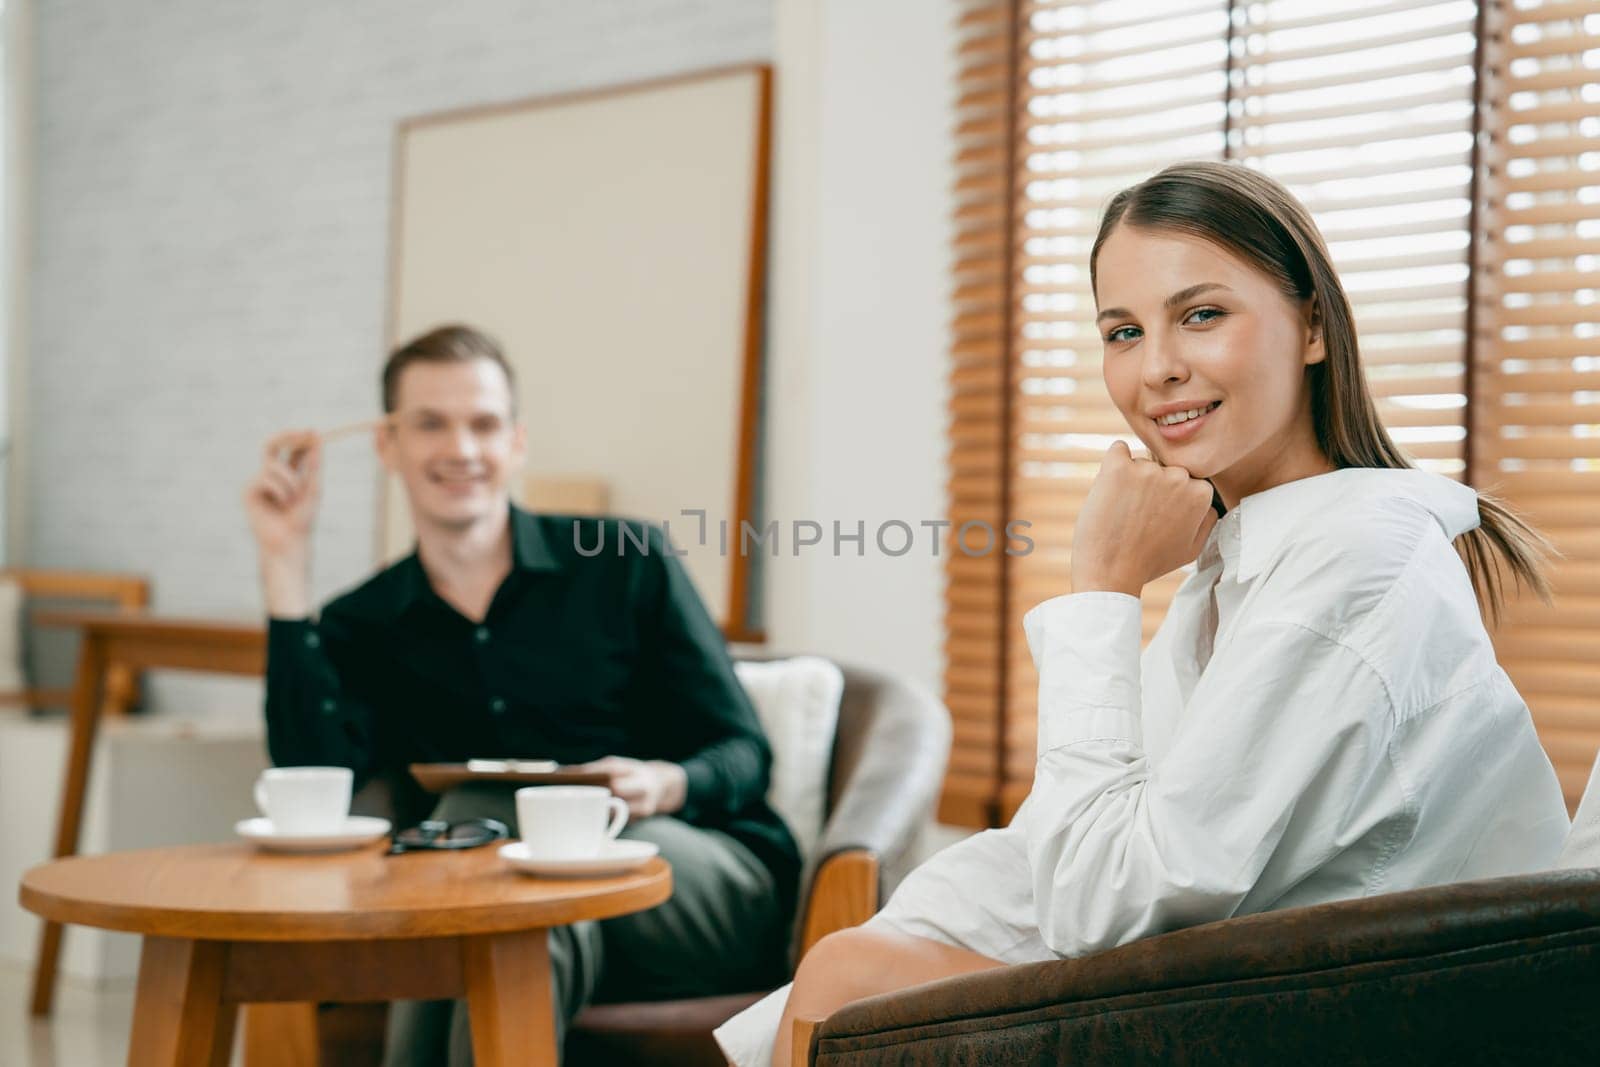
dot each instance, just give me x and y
(1450, 155)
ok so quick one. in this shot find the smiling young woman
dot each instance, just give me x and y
(1270, 277)
(1320, 715)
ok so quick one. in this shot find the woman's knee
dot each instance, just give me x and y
(866, 960)
(847, 965)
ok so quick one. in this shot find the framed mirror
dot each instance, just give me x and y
(614, 243)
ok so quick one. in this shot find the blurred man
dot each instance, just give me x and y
(496, 638)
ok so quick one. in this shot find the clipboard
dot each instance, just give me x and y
(438, 777)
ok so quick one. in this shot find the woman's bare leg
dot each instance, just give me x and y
(862, 962)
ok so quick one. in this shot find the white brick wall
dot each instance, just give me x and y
(210, 211)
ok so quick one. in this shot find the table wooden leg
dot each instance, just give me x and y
(69, 816)
(222, 1044)
(280, 1035)
(508, 998)
(179, 1018)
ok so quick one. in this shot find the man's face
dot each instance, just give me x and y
(453, 442)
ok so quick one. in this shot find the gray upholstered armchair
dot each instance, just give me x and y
(888, 761)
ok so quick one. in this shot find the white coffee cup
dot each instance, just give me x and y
(569, 821)
(304, 800)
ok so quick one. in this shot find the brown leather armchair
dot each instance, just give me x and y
(889, 756)
(1497, 971)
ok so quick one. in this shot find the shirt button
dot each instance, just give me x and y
(329, 707)
(313, 639)
(497, 706)
(482, 635)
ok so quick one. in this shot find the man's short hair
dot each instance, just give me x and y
(447, 344)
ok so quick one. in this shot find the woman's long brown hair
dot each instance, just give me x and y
(1260, 221)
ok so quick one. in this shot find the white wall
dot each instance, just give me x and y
(16, 83)
(858, 345)
(209, 210)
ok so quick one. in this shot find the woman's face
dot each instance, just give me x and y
(1205, 358)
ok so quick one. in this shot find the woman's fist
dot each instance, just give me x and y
(1139, 521)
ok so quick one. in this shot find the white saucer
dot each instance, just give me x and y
(615, 857)
(357, 830)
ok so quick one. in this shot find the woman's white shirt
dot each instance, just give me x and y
(1320, 716)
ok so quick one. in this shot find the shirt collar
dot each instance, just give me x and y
(1255, 530)
(530, 551)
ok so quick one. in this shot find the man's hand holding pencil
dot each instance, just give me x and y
(281, 502)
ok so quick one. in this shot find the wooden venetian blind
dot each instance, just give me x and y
(979, 407)
(1535, 431)
(1367, 113)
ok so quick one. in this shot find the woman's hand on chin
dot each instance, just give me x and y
(1139, 521)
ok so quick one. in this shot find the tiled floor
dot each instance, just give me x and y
(89, 1027)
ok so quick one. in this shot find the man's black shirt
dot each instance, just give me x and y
(580, 656)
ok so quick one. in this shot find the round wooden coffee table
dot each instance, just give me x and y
(225, 925)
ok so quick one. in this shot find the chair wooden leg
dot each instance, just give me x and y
(508, 998)
(179, 1018)
(69, 816)
(280, 1035)
(44, 968)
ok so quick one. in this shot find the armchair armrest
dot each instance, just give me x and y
(888, 762)
(805, 1034)
(844, 893)
(888, 766)
(1498, 970)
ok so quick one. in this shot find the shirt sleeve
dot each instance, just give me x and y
(688, 699)
(311, 720)
(1282, 734)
